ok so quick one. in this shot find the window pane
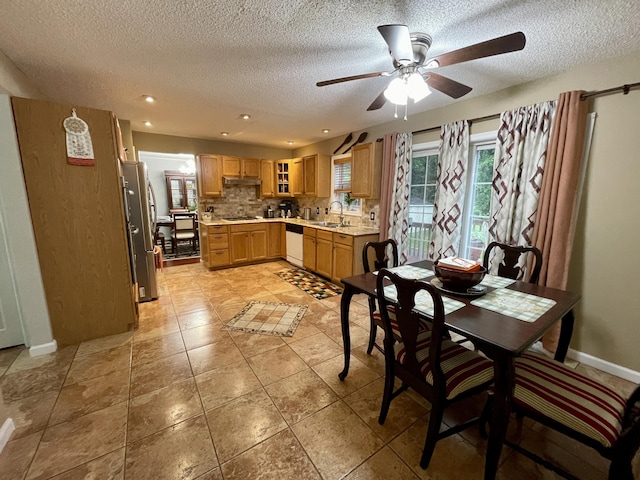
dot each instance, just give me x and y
(485, 165)
(432, 169)
(430, 197)
(417, 196)
(481, 201)
(418, 167)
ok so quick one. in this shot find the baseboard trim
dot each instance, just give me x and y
(42, 349)
(5, 432)
(612, 368)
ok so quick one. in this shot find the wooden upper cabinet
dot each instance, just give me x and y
(296, 177)
(210, 175)
(231, 166)
(268, 177)
(283, 174)
(240, 167)
(317, 175)
(366, 168)
(250, 167)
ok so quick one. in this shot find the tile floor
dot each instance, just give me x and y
(181, 398)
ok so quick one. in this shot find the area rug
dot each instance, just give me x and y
(313, 285)
(268, 318)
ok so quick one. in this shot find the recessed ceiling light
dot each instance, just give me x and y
(149, 98)
(224, 134)
(290, 142)
(325, 130)
(245, 116)
(147, 123)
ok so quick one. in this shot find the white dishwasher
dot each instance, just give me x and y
(294, 243)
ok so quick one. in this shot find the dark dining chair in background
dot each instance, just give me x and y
(380, 251)
(508, 267)
(416, 357)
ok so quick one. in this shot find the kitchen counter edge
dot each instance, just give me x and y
(353, 230)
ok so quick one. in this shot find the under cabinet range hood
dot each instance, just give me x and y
(241, 181)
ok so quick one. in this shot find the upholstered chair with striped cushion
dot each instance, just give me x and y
(584, 409)
(424, 359)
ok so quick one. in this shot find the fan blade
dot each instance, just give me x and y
(446, 85)
(378, 102)
(399, 41)
(509, 43)
(354, 77)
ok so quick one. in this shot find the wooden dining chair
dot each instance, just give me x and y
(379, 253)
(511, 264)
(184, 229)
(425, 360)
(571, 403)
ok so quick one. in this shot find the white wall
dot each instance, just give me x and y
(23, 255)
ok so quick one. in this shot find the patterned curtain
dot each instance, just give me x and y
(399, 211)
(450, 194)
(521, 150)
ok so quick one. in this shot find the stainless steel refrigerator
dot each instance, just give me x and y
(141, 223)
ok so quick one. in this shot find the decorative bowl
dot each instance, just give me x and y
(458, 280)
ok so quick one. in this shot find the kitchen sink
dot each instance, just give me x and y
(328, 224)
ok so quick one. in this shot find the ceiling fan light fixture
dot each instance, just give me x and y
(396, 92)
(417, 88)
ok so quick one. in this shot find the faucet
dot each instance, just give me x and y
(341, 210)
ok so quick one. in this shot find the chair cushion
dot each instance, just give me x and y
(377, 318)
(561, 394)
(463, 368)
(183, 235)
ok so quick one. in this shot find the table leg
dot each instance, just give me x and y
(504, 382)
(566, 330)
(344, 321)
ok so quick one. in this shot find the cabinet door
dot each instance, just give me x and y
(296, 177)
(309, 252)
(231, 166)
(240, 247)
(251, 167)
(282, 178)
(268, 178)
(274, 240)
(362, 170)
(191, 193)
(210, 175)
(310, 175)
(175, 192)
(324, 257)
(259, 244)
(342, 261)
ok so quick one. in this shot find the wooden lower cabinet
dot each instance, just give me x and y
(309, 249)
(248, 242)
(324, 253)
(342, 256)
(275, 239)
(214, 245)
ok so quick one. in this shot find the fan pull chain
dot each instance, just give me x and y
(395, 115)
(406, 107)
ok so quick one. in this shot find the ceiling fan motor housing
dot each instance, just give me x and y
(420, 42)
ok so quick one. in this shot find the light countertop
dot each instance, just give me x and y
(355, 230)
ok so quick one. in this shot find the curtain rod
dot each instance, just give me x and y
(596, 93)
(478, 119)
(623, 88)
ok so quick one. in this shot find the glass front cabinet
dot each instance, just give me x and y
(181, 191)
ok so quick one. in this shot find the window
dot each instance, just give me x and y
(341, 174)
(475, 225)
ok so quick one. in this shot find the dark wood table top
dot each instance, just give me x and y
(491, 330)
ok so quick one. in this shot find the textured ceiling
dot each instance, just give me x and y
(208, 61)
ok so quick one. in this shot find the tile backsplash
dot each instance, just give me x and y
(242, 200)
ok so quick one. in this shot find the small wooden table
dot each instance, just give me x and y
(498, 336)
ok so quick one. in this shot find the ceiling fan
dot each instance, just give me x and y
(409, 54)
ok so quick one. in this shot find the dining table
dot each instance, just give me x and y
(508, 319)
